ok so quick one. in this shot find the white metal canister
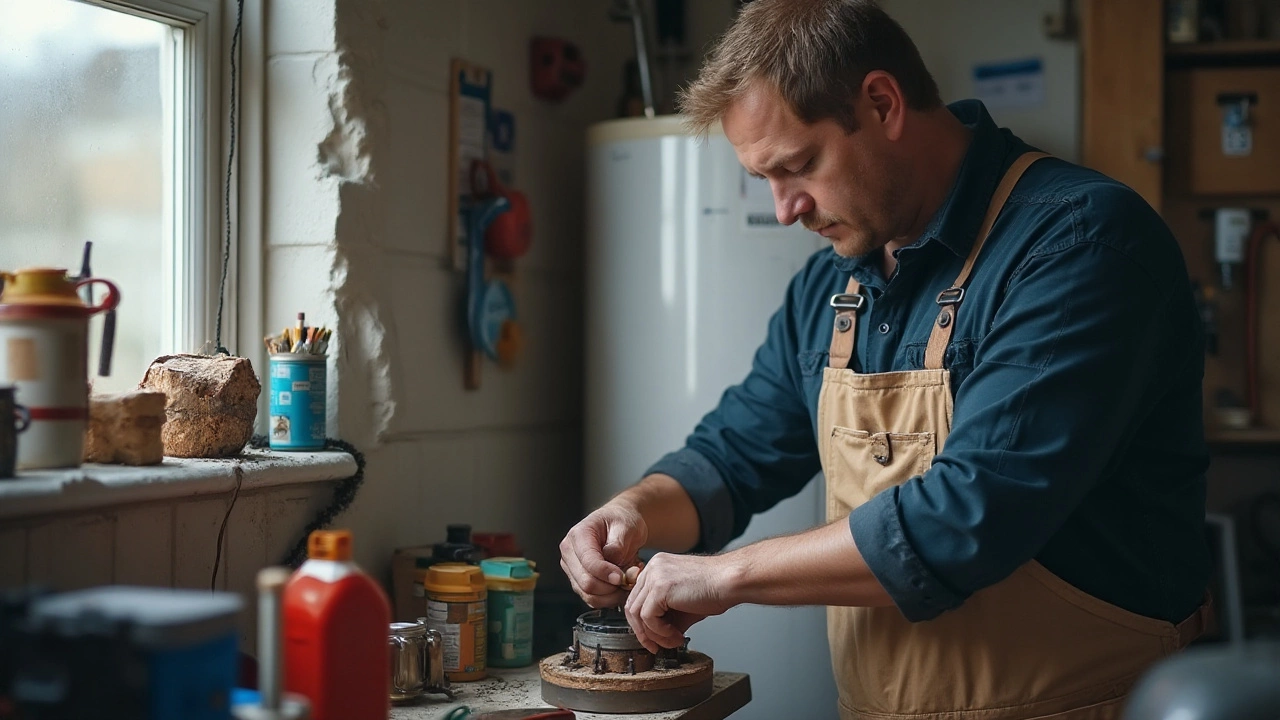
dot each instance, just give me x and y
(44, 329)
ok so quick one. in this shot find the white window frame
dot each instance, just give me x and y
(193, 264)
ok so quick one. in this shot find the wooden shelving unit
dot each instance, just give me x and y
(1223, 48)
(1254, 437)
(1151, 117)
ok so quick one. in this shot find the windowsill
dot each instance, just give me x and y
(91, 486)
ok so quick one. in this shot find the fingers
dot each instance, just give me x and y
(591, 589)
(593, 578)
(617, 547)
(632, 610)
(650, 617)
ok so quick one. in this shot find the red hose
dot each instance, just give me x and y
(1260, 233)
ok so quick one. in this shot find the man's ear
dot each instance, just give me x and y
(884, 104)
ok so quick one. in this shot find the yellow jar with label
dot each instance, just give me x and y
(456, 608)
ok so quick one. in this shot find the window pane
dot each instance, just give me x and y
(82, 153)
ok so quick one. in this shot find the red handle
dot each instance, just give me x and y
(109, 302)
(484, 181)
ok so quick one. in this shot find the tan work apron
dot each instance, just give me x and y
(1030, 646)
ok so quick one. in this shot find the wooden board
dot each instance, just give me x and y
(1192, 223)
(469, 90)
(522, 688)
(1122, 83)
(1196, 161)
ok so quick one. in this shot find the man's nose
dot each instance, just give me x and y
(790, 204)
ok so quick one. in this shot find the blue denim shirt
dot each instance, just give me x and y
(1076, 363)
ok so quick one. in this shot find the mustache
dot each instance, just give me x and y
(815, 223)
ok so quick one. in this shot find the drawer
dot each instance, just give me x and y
(1200, 161)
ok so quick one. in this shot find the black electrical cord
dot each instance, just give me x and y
(343, 495)
(222, 531)
(226, 259)
(347, 488)
(226, 197)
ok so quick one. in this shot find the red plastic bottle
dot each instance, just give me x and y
(336, 620)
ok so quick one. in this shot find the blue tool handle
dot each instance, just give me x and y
(480, 214)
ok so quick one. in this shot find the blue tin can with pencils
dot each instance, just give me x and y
(297, 407)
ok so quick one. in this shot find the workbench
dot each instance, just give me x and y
(522, 688)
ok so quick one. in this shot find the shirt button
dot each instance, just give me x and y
(884, 328)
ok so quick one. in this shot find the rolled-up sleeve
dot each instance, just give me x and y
(757, 446)
(1057, 388)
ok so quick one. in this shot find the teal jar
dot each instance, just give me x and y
(510, 582)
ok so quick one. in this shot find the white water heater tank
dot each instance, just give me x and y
(686, 262)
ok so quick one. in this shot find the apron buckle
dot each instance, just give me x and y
(880, 448)
(951, 296)
(848, 301)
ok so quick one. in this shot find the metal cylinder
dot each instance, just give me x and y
(271, 582)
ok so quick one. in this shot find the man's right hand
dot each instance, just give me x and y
(596, 553)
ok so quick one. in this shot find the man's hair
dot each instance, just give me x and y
(816, 53)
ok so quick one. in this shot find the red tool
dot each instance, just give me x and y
(510, 234)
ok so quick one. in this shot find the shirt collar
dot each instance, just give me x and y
(956, 223)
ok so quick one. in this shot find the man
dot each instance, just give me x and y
(997, 365)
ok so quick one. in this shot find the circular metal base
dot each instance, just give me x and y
(645, 692)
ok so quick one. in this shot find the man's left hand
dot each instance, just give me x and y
(674, 592)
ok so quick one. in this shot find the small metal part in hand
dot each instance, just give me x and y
(631, 575)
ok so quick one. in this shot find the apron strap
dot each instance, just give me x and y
(847, 306)
(1196, 624)
(950, 299)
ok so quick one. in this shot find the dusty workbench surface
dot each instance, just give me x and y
(522, 688)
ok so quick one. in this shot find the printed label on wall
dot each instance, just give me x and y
(1013, 84)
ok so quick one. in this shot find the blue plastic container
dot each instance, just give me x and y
(188, 638)
(297, 412)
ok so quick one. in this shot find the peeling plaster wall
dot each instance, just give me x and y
(357, 116)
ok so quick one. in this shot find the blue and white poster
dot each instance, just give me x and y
(1011, 84)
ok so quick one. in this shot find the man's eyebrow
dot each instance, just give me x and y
(775, 164)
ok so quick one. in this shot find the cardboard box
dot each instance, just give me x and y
(407, 606)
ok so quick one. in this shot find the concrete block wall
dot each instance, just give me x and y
(357, 136)
(354, 185)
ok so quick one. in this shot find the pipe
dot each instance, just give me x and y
(271, 581)
(633, 13)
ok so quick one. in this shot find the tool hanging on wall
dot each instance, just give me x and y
(490, 306)
(490, 225)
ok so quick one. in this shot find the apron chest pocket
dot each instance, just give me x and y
(862, 464)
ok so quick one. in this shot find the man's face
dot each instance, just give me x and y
(844, 187)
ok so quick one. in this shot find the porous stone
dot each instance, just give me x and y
(125, 429)
(212, 403)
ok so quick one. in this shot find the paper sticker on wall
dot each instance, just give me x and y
(757, 202)
(1237, 133)
(468, 134)
(1012, 84)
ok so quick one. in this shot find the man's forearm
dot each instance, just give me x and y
(669, 513)
(816, 567)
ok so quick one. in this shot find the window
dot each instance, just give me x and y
(107, 135)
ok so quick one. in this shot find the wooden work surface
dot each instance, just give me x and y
(522, 688)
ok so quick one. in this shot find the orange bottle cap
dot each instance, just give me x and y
(454, 578)
(329, 545)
